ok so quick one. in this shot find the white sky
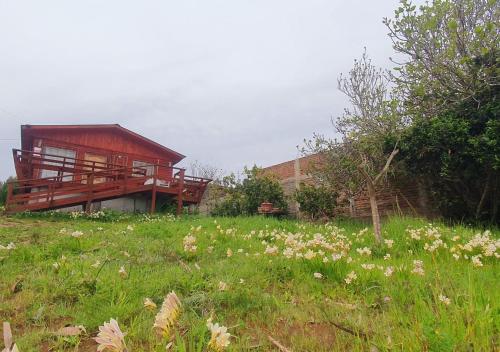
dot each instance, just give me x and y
(228, 83)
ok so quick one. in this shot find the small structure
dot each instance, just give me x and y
(266, 208)
(108, 166)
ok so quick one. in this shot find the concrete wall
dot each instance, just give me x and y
(127, 204)
(136, 203)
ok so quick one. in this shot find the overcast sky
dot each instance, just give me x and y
(229, 83)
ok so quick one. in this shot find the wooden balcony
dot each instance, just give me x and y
(80, 182)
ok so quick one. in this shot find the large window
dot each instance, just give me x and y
(56, 157)
(141, 166)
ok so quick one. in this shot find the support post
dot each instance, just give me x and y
(153, 192)
(90, 183)
(180, 191)
(10, 192)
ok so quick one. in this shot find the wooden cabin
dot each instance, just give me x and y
(97, 166)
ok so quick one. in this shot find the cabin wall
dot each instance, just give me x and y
(116, 148)
(103, 140)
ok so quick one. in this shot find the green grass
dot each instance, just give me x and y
(278, 297)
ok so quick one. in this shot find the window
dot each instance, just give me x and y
(141, 167)
(56, 157)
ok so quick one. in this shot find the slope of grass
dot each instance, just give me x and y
(53, 279)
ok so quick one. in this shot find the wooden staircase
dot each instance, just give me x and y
(80, 182)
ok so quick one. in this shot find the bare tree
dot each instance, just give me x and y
(198, 169)
(361, 159)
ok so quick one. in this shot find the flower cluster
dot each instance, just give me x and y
(484, 244)
(77, 234)
(364, 251)
(350, 277)
(418, 267)
(271, 250)
(189, 243)
(305, 246)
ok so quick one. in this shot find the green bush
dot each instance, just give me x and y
(244, 197)
(316, 201)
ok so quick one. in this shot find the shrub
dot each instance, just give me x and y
(316, 201)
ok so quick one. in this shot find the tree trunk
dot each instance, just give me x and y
(375, 212)
(483, 196)
(494, 205)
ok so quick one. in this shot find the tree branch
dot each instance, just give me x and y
(386, 166)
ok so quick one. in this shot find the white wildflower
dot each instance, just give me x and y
(318, 275)
(271, 250)
(364, 251)
(77, 234)
(122, 272)
(7, 339)
(368, 266)
(389, 243)
(476, 260)
(288, 252)
(223, 286)
(219, 339)
(8, 247)
(189, 243)
(444, 299)
(389, 271)
(418, 267)
(168, 314)
(336, 256)
(149, 304)
(111, 338)
(350, 277)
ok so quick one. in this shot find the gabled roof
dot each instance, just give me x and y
(26, 129)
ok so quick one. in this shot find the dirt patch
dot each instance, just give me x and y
(318, 336)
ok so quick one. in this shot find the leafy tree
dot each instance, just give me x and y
(458, 153)
(243, 197)
(316, 201)
(448, 51)
(449, 81)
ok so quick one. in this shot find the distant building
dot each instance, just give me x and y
(97, 166)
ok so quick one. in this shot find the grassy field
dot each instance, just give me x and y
(309, 287)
